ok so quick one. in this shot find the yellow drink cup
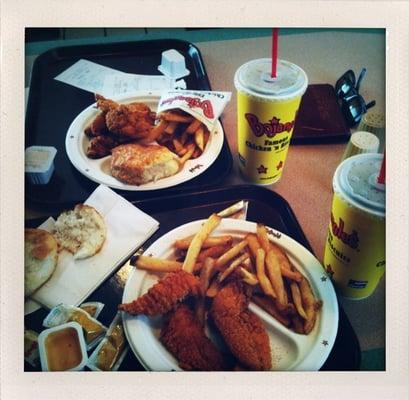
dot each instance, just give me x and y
(355, 248)
(266, 111)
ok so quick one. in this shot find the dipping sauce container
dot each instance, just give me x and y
(63, 348)
(39, 164)
(355, 248)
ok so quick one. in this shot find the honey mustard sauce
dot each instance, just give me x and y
(63, 350)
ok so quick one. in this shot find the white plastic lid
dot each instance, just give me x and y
(254, 77)
(39, 158)
(356, 178)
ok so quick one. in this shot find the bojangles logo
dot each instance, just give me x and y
(271, 128)
(194, 102)
(350, 239)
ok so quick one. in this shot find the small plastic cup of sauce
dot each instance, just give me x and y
(63, 348)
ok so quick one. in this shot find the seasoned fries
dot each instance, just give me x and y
(209, 242)
(310, 306)
(157, 264)
(195, 246)
(188, 135)
(273, 283)
(276, 279)
(233, 252)
(261, 275)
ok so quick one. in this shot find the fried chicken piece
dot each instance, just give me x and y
(133, 121)
(184, 337)
(164, 295)
(97, 127)
(243, 331)
(101, 146)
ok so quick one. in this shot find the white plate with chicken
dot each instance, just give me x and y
(227, 321)
(123, 144)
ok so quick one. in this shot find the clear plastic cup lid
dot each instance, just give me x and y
(357, 178)
(255, 77)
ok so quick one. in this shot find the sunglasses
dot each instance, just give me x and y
(353, 105)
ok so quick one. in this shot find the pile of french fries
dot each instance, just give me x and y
(277, 286)
(182, 134)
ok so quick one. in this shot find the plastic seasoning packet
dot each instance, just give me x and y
(93, 330)
(111, 351)
(31, 353)
(206, 106)
(93, 308)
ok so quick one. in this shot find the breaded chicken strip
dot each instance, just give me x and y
(164, 295)
(184, 337)
(243, 331)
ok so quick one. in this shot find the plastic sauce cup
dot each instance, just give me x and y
(63, 348)
(355, 247)
(266, 111)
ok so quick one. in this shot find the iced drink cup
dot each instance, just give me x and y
(355, 248)
(266, 111)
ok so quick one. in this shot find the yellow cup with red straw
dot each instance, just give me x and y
(355, 247)
(269, 93)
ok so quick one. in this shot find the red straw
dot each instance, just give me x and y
(382, 173)
(274, 53)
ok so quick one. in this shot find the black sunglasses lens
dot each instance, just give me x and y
(353, 109)
(345, 83)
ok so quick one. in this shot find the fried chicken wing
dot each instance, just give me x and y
(101, 146)
(242, 330)
(164, 295)
(184, 337)
(132, 121)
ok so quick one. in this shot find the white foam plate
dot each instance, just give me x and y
(290, 351)
(76, 144)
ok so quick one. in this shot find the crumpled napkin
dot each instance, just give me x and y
(74, 280)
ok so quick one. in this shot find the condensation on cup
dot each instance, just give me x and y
(266, 111)
(355, 247)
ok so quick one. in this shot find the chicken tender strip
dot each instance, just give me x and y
(164, 295)
(243, 332)
(183, 336)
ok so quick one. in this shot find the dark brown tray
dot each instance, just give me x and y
(53, 105)
(264, 206)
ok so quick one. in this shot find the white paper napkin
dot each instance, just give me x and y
(74, 280)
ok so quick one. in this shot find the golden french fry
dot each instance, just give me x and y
(234, 264)
(276, 279)
(178, 146)
(171, 127)
(176, 117)
(204, 279)
(233, 252)
(293, 275)
(261, 275)
(182, 151)
(157, 264)
(269, 306)
(211, 241)
(248, 277)
(214, 252)
(214, 288)
(193, 126)
(187, 155)
(195, 246)
(196, 153)
(183, 138)
(254, 244)
(206, 136)
(309, 303)
(262, 237)
(296, 295)
(155, 133)
(199, 138)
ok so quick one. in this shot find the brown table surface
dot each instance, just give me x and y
(307, 177)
